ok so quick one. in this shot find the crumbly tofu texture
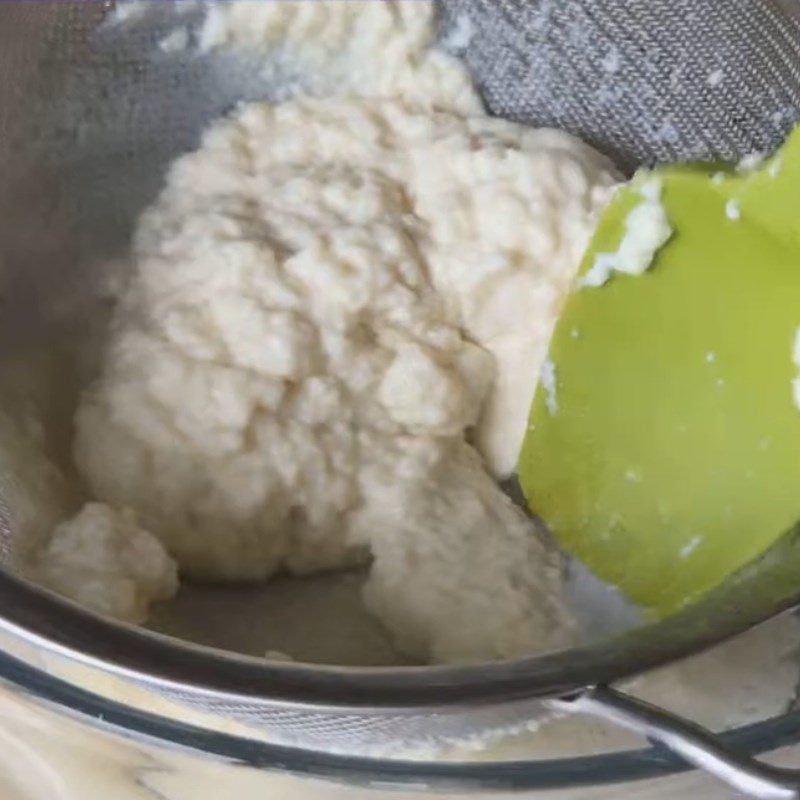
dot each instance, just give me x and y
(337, 314)
(318, 312)
(103, 560)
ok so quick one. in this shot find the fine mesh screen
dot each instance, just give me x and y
(642, 80)
(384, 733)
(5, 526)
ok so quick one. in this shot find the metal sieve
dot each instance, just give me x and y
(643, 81)
(89, 119)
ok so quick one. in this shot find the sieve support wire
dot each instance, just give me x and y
(691, 742)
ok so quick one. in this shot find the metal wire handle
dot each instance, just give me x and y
(691, 742)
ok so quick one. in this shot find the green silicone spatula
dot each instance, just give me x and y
(664, 448)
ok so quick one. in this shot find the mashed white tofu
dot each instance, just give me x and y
(387, 49)
(647, 230)
(357, 47)
(34, 497)
(335, 320)
(309, 341)
(103, 560)
(99, 558)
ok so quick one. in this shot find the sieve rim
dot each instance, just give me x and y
(761, 590)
